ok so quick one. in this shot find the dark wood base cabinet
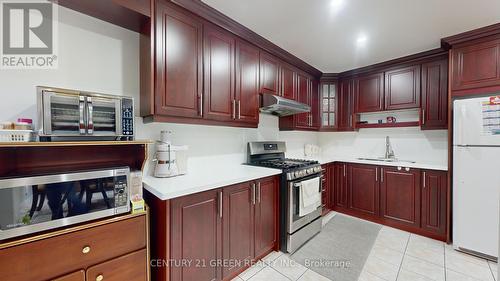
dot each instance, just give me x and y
(410, 199)
(114, 249)
(216, 234)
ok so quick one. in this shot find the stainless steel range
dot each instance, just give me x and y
(297, 225)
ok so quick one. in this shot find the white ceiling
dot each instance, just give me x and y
(339, 35)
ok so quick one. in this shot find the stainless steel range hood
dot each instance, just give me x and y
(280, 106)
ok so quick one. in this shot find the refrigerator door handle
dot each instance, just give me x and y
(460, 127)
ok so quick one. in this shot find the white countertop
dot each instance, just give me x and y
(418, 165)
(202, 180)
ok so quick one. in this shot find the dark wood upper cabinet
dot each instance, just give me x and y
(400, 196)
(266, 216)
(179, 72)
(287, 81)
(237, 227)
(345, 110)
(435, 95)
(303, 96)
(196, 232)
(434, 201)
(219, 47)
(269, 67)
(476, 65)
(314, 103)
(369, 91)
(363, 182)
(247, 83)
(402, 88)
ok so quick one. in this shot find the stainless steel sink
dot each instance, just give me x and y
(386, 160)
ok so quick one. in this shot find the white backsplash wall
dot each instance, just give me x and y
(408, 143)
(93, 55)
(211, 147)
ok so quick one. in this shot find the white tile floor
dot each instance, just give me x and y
(396, 256)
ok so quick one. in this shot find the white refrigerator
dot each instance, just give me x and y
(476, 175)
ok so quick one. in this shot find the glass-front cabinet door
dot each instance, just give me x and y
(329, 105)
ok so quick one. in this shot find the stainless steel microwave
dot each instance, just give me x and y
(71, 115)
(40, 203)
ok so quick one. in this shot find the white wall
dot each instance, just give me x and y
(93, 55)
(408, 144)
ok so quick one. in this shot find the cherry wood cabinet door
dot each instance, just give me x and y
(238, 227)
(287, 82)
(247, 83)
(75, 276)
(400, 196)
(314, 101)
(131, 267)
(219, 47)
(179, 68)
(476, 66)
(402, 88)
(345, 109)
(369, 93)
(339, 180)
(302, 120)
(269, 67)
(364, 189)
(435, 95)
(266, 215)
(196, 236)
(434, 202)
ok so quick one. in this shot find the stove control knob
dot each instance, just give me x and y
(297, 174)
(317, 169)
(302, 173)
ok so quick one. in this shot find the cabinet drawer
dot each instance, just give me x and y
(131, 267)
(47, 258)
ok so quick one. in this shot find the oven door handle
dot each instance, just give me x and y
(81, 107)
(90, 121)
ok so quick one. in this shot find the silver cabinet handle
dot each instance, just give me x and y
(234, 109)
(253, 193)
(220, 204)
(424, 179)
(376, 174)
(344, 170)
(382, 174)
(90, 122)
(82, 115)
(258, 192)
(239, 109)
(423, 116)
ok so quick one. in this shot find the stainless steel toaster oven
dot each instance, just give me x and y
(72, 115)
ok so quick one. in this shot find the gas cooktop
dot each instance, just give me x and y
(285, 163)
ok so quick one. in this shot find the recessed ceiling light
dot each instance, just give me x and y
(336, 5)
(361, 40)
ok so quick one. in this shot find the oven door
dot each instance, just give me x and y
(294, 221)
(104, 116)
(33, 204)
(63, 114)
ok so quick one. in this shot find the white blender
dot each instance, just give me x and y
(171, 160)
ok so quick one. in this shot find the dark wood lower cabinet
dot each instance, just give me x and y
(411, 199)
(400, 196)
(238, 226)
(196, 236)
(266, 216)
(434, 202)
(363, 189)
(216, 234)
(131, 267)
